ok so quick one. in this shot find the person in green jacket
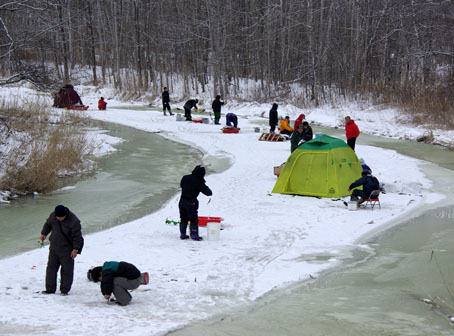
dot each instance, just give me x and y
(303, 133)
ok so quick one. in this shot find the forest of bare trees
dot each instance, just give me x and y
(395, 51)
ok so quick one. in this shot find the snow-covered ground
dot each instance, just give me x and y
(268, 240)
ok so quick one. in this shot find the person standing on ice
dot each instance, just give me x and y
(351, 132)
(191, 185)
(273, 118)
(65, 243)
(191, 103)
(216, 106)
(117, 278)
(166, 101)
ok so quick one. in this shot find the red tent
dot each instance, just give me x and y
(67, 97)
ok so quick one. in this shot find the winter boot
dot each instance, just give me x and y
(170, 113)
(183, 236)
(195, 236)
(353, 198)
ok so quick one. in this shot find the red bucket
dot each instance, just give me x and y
(204, 220)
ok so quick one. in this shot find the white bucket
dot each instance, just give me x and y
(213, 231)
(352, 205)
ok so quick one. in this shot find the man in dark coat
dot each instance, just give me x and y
(191, 103)
(117, 278)
(191, 186)
(65, 243)
(216, 106)
(166, 101)
(273, 118)
(369, 183)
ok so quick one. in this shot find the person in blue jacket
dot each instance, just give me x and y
(369, 183)
(231, 118)
(117, 278)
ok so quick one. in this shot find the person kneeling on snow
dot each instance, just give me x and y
(369, 183)
(284, 126)
(102, 104)
(117, 277)
(191, 185)
(230, 119)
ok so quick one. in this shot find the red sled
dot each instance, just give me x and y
(80, 108)
(199, 121)
(204, 220)
(226, 130)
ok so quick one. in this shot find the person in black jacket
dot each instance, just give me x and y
(166, 101)
(117, 278)
(369, 183)
(191, 186)
(216, 106)
(65, 243)
(273, 118)
(191, 103)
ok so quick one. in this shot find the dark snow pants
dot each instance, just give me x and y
(187, 114)
(359, 193)
(351, 142)
(166, 106)
(56, 260)
(217, 117)
(120, 289)
(188, 212)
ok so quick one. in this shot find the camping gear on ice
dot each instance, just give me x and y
(278, 169)
(352, 205)
(205, 121)
(256, 129)
(213, 231)
(271, 137)
(204, 220)
(79, 108)
(179, 117)
(324, 166)
(198, 121)
(144, 278)
(67, 97)
(230, 130)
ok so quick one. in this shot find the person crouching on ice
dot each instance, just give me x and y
(117, 278)
(102, 104)
(230, 119)
(191, 185)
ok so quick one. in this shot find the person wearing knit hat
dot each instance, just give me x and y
(66, 242)
(117, 278)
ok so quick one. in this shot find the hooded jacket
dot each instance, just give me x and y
(299, 120)
(368, 181)
(193, 184)
(216, 105)
(190, 104)
(351, 129)
(273, 115)
(231, 118)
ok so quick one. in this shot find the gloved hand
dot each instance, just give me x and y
(225, 102)
(198, 110)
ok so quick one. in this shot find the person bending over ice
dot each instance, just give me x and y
(369, 183)
(117, 278)
(191, 185)
(230, 119)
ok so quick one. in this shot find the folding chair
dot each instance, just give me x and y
(373, 199)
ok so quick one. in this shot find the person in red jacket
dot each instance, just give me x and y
(102, 104)
(351, 132)
(299, 120)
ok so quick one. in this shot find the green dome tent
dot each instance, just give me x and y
(324, 166)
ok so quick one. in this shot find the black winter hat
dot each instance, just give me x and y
(94, 273)
(61, 211)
